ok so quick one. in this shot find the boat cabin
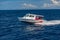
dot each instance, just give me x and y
(33, 16)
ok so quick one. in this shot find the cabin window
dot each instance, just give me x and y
(31, 16)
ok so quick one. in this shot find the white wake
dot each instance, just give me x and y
(52, 22)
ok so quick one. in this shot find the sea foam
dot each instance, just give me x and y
(51, 22)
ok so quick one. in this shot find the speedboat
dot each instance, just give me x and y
(32, 18)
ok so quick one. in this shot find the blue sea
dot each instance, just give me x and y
(12, 29)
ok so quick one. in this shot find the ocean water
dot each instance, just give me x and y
(12, 29)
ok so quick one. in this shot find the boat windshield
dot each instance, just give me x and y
(27, 16)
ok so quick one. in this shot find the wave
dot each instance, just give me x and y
(39, 26)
